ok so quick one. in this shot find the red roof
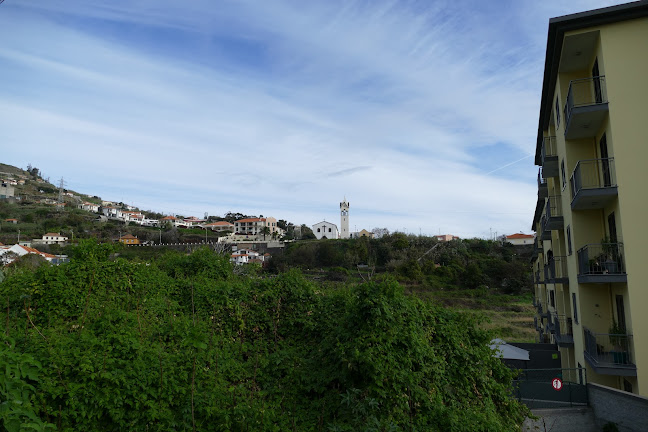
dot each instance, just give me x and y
(220, 223)
(53, 235)
(520, 236)
(252, 220)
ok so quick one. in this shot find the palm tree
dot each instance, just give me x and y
(265, 230)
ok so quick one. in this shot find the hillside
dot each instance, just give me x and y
(482, 277)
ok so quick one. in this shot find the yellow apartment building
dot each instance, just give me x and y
(591, 253)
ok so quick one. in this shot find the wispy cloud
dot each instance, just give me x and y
(412, 110)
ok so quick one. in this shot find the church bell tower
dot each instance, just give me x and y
(344, 219)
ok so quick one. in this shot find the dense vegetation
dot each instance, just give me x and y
(417, 260)
(182, 343)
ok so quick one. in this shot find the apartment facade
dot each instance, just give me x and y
(590, 249)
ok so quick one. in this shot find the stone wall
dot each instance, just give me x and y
(629, 411)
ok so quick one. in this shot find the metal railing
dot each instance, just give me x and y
(601, 258)
(583, 92)
(542, 182)
(563, 326)
(554, 207)
(593, 174)
(557, 268)
(609, 350)
(536, 389)
(549, 147)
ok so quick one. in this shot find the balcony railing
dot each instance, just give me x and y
(545, 234)
(585, 107)
(610, 354)
(593, 183)
(553, 214)
(563, 330)
(601, 263)
(542, 184)
(549, 154)
(556, 270)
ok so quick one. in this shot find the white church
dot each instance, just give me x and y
(329, 230)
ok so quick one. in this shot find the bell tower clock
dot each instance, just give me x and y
(344, 219)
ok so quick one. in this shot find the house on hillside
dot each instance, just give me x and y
(88, 206)
(53, 238)
(363, 233)
(255, 227)
(129, 239)
(11, 221)
(6, 191)
(325, 229)
(112, 212)
(519, 239)
(446, 237)
(220, 226)
(9, 254)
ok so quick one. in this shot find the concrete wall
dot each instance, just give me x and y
(627, 410)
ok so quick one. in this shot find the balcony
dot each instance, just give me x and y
(610, 354)
(553, 214)
(563, 330)
(601, 263)
(586, 107)
(593, 184)
(556, 270)
(543, 190)
(545, 234)
(549, 156)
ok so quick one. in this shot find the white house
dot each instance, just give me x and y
(91, 207)
(9, 253)
(220, 226)
(113, 212)
(53, 238)
(325, 229)
(245, 256)
(255, 227)
(520, 239)
(150, 222)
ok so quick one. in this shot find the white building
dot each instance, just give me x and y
(53, 238)
(91, 207)
(325, 230)
(112, 212)
(344, 219)
(220, 226)
(255, 226)
(520, 239)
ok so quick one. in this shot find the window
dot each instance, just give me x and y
(329, 229)
(552, 298)
(318, 230)
(562, 173)
(557, 113)
(575, 308)
(569, 243)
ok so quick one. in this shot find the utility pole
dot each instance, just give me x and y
(60, 195)
(18, 236)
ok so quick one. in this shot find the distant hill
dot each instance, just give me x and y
(10, 169)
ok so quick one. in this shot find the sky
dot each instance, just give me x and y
(422, 114)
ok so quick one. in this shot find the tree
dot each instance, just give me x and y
(380, 232)
(265, 231)
(307, 233)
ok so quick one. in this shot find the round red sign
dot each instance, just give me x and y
(557, 384)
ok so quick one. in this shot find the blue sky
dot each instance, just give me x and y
(422, 113)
